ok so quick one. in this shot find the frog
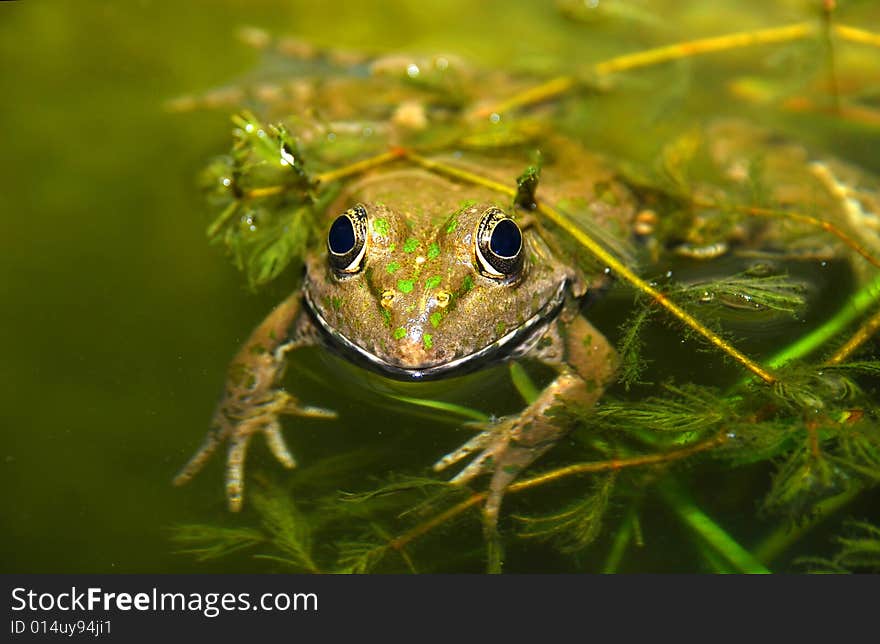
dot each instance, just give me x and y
(421, 277)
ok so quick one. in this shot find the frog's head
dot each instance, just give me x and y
(420, 296)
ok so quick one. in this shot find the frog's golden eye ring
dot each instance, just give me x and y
(499, 245)
(347, 240)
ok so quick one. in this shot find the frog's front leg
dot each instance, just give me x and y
(253, 399)
(586, 363)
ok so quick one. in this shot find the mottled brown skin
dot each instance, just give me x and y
(419, 303)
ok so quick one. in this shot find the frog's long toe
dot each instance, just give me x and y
(198, 460)
(275, 441)
(311, 412)
(478, 442)
(235, 471)
(493, 442)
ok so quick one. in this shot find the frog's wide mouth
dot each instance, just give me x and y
(510, 345)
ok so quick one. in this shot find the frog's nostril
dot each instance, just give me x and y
(387, 298)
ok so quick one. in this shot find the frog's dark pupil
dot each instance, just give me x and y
(341, 235)
(506, 239)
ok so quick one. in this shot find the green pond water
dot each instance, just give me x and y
(119, 318)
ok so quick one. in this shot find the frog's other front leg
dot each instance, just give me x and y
(586, 363)
(253, 400)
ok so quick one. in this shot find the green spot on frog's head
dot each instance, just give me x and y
(399, 333)
(433, 282)
(392, 267)
(428, 339)
(500, 328)
(410, 245)
(433, 250)
(435, 319)
(380, 227)
(405, 286)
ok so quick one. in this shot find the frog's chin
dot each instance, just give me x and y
(410, 363)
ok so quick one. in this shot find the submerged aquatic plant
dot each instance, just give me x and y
(806, 426)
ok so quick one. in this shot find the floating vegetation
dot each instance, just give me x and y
(859, 551)
(803, 422)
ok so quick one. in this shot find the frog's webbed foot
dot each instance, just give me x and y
(497, 452)
(509, 445)
(506, 447)
(237, 420)
(253, 400)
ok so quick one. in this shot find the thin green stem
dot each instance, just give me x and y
(857, 305)
(621, 542)
(713, 534)
(523, 383)
(785, 535)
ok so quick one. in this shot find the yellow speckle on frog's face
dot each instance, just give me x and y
(420, 298)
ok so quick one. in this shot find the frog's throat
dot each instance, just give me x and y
(512, 345)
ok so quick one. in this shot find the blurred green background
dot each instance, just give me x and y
(118, 318)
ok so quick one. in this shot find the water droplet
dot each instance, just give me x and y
(249, 128)
(226, 181)
(495, 117)
(412, 70)
(286, 156)
(331, 136)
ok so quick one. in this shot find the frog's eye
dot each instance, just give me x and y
(499, 246)
(347, 240)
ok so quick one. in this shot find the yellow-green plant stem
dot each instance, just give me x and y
(439, 405)
(854, 34)
(656, 56)
(856, 306)
(688, 49)
(360, 166)
(607, 258)
(862, 335)
(714, 536)
(555, 475)
(524, 385)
